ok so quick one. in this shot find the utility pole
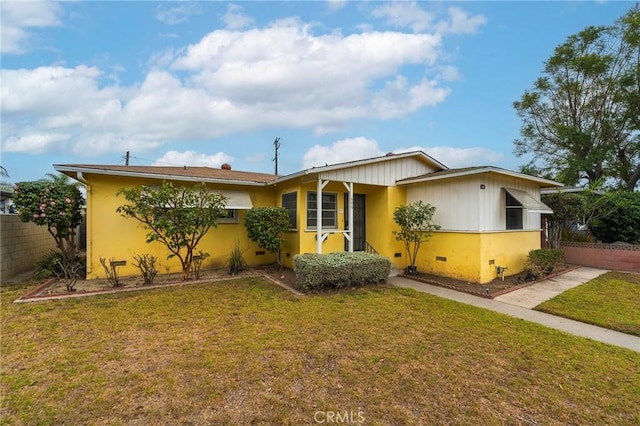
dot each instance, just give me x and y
(126, 158)
(276, 145)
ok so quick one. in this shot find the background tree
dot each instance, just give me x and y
(416, 224)
(54, 204)
(580, 119)
(177, 217)
(266, 226)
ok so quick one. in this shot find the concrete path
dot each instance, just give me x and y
(569, 326)
(532, 296)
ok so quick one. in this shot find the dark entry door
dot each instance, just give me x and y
(359, 228)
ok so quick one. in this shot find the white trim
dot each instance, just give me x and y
(470, 172)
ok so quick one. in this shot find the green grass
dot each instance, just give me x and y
(247, 351)
(611, 300)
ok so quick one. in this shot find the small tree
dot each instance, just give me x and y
(266, 226)
(177, 217)
(55, 204)
(567, 209)
(416, 224)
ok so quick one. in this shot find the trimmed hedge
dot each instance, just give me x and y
(317, 272)
(542, 262)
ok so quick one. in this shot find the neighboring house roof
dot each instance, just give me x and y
(185, 173)
(570, 189)
(468, 171)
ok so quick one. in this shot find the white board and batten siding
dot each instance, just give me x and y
(461, 204)
(383, 173)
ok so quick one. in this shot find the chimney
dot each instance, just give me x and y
(226, 166)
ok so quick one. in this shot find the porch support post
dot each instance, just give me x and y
(319, 236)
(349, 186)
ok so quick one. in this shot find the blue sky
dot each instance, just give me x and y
(204, 83)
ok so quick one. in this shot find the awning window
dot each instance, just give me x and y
(528, 202)
(237, 200)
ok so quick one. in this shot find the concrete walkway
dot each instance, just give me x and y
(512, 309)
(532, 296)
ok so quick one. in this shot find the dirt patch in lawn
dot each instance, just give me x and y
(495, 288)
(55, 288)
(285, 277)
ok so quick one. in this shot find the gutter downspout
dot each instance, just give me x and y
(80, 178)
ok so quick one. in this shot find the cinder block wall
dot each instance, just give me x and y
(605, 256)
(22, 245)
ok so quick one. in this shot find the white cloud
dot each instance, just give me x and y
(234, 19)
(20, 18)
(282, 75)
(336, 4)
(340, 151)
(192, 158)
(33, 142)
(359, 148)
(403, 14)
(461, 22)
(178, 14)
(454, 157)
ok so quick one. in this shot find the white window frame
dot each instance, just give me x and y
(334, 226)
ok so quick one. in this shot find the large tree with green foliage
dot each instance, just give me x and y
(266, 226)
(55, 204)
(176, 216)
(580, 121)
(619, 218)
(416, 224)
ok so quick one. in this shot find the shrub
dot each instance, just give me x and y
(236, 260)
(266, 226)
(196, 264)
(543, 261)
(50, 266)
(112, 272)
(619, 220)
(147, 265)
(318, 272)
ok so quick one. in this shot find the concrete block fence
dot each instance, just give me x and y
(22, 245)
(619, 257)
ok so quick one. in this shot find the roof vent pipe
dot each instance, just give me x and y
(226, 166)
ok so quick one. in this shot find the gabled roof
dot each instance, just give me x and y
(356, 163)
(468, 171)
(185, 173)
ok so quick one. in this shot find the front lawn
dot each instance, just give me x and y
(249, 352)
(611, 300)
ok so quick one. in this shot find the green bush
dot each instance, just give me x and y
(318, 272)
(51, 266)
(542, 262)
(619, 218)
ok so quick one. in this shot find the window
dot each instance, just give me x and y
(329, 210)
(514, 212)
(230, 217)
(290, 203)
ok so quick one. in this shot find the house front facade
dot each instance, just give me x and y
(489, 217)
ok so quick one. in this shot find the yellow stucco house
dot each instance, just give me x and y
(489, 216)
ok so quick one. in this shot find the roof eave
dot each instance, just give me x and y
(62, 168)
(427, 177)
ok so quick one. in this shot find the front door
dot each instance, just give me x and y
(359, 235)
